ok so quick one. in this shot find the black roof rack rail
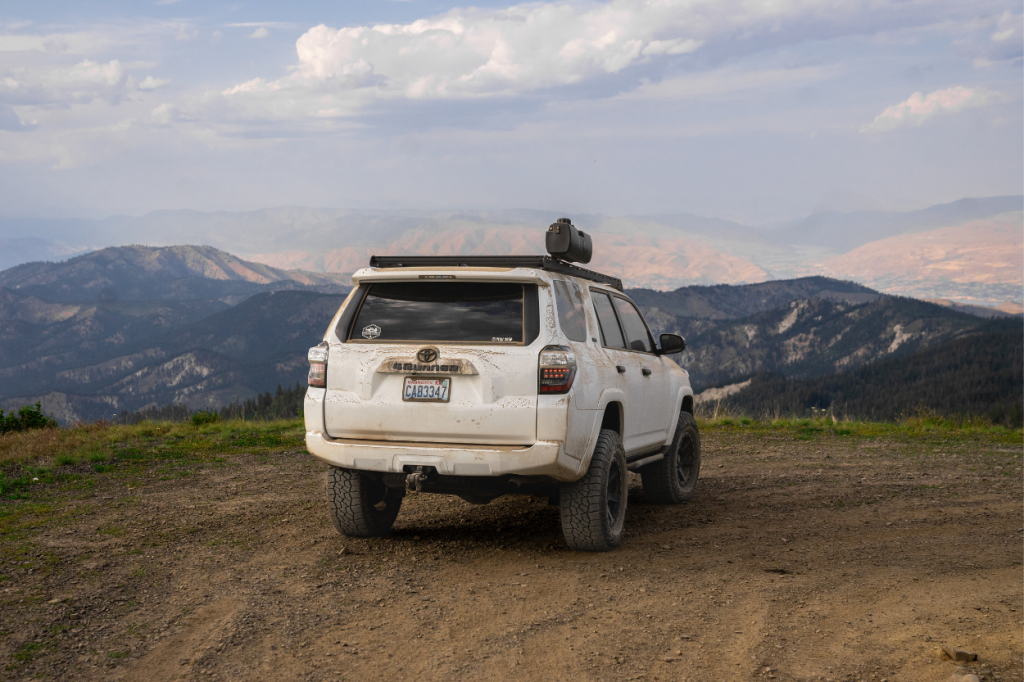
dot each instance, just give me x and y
(540, 262)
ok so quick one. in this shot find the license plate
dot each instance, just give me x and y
(427, 390)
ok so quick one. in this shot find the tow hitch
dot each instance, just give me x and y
(414, 481)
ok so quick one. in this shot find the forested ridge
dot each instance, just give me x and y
(980, 373)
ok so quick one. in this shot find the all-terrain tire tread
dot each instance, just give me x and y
(582, 503)
(351, 507)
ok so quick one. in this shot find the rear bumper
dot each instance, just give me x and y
(543, 458)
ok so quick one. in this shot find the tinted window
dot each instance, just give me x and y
(610, 334)
(441, 311)
(637, 335)
(571, 317)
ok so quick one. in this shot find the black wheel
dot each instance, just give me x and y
(360, 504)
(672, 480)
(594, 507)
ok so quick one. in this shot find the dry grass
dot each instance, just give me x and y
(49, 443)
(97, 442)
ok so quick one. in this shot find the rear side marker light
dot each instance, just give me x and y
(317, 357)
(557, 369)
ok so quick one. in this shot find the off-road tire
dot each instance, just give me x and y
(672, 480)
(593, 509)
(360, 505)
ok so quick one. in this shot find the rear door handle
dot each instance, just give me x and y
(646, 372)
(622, 370)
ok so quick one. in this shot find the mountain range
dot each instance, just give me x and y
(978, 372)
(966, 251)
(129, 327)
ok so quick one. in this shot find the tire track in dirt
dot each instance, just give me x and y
(797, 561)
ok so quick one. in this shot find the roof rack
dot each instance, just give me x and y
(538, 262)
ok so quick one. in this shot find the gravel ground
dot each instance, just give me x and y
(824, 559)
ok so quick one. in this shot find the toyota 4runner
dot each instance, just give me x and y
(483, 376)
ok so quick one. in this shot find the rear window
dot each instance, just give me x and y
(457, 312)
(611, 335)
(571, 317)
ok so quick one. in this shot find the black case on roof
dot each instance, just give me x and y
(565, 242)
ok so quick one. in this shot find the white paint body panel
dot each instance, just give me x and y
(495, 423)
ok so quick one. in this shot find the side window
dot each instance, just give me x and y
(637, 336)
(571, 317)
(611, 335)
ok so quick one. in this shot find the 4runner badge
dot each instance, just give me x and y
(371, 331)
(427, 355)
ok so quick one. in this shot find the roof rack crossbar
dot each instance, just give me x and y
(539, 262)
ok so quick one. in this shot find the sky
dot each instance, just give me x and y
(752, 110)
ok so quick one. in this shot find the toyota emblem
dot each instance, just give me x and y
(427, 355)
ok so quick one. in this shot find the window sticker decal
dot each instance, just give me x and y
(371, 331)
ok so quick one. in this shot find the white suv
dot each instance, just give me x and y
(482, 376)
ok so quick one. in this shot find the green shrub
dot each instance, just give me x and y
(27, 417)
(202, 418)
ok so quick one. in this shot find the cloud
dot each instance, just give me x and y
(1008, 27)
(261, 32)
(61, 86)
(98, 40)
(994, 40)
(918, 108)
(535, 49)
(473, 53)
(150, 83)
(166, 114)
(10, 120)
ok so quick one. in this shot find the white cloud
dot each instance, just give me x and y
(150, 83)
(61, 86)
(486, 53)
(165, 114)
(98, 40)
(1007, 27)
(261, 32)
(22, 43)
(918, 108)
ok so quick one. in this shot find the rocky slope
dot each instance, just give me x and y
(810, 337)
(979, 372)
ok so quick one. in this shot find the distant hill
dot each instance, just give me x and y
(662, 252)
(725, 302)
(981, 256)
(845, 231)
(979, 372)
(232, 354)
(39, 340)
(805, 337)
(140, 273)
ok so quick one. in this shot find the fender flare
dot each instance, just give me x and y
(608, 396)
(684, 391)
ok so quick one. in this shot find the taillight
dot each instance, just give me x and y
(557, 369)
(317, 357)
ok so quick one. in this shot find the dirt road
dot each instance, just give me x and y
(841, 559)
